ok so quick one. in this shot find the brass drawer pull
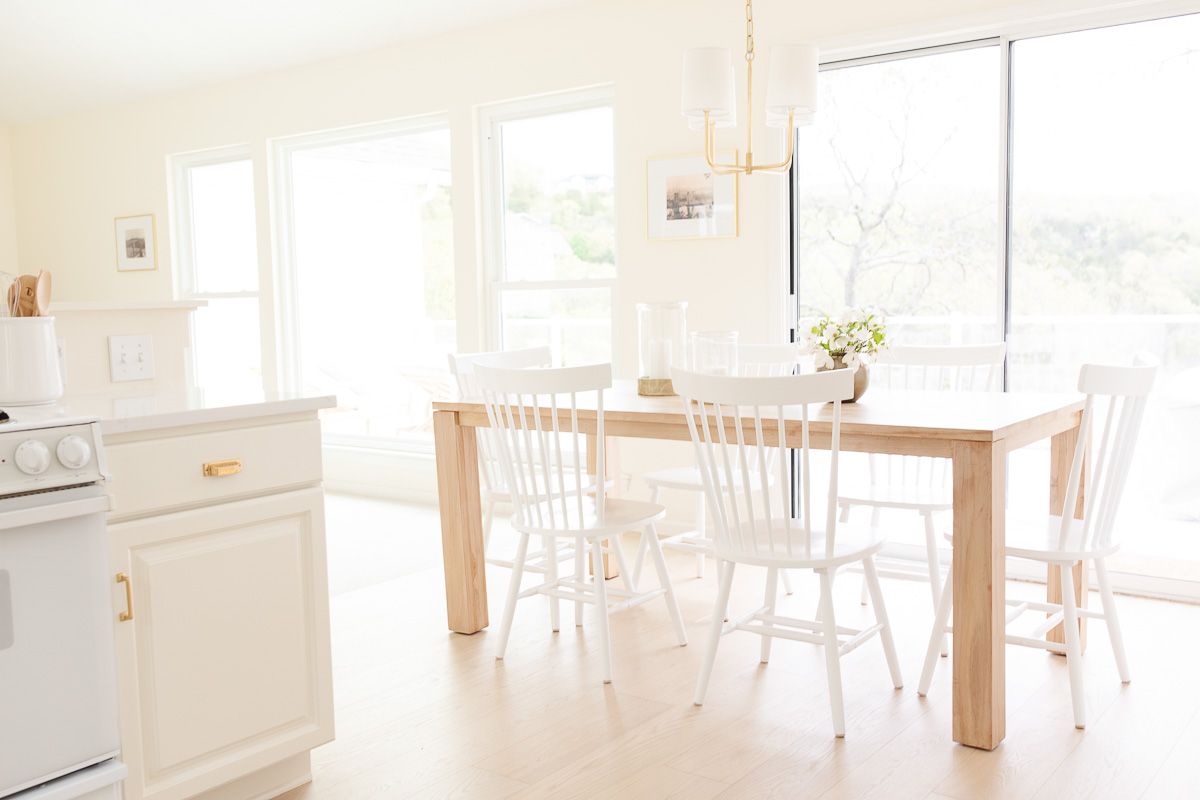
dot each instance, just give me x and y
(219, 469)
(127, 614)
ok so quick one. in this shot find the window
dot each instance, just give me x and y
(1062, 167)
(897, 195)
(217, 261)
(368, 276)
(550, 225)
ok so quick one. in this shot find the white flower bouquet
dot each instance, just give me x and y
(850, 340)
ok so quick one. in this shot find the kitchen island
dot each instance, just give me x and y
(220, 597)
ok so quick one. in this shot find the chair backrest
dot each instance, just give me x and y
(462, 367)
(762, 360)
(531, 412)
(737, 426)
(963, 368)
(1124, 390)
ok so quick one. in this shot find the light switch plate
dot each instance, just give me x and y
(131, 358)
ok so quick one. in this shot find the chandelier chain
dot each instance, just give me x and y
(749, 30)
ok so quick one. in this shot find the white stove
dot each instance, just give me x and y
(58, 726)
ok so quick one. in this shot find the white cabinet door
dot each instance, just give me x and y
(224, 668)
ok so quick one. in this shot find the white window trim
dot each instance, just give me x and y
(283, 229)
(491, 201)
(182, 222)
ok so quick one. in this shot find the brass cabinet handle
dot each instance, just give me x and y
(219, 469)
(127, 614)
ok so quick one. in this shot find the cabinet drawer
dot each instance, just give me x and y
(161, 474)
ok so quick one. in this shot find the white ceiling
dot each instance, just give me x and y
(61, 55)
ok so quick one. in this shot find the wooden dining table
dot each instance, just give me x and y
(976, 431)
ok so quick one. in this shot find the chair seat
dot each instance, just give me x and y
(689, 479)
(618, 515)
(917, 498)
(1041, 544)
(852, 543)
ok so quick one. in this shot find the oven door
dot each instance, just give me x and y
(58, 697)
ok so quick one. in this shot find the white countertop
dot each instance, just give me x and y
(134, 412)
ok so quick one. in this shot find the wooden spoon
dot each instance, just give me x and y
(41, 294)
(26, 295)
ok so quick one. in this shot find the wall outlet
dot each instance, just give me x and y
(131, 358)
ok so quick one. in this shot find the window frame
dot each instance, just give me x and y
(183, 247)
(1005, 35)
(491, 203)
(286, 284)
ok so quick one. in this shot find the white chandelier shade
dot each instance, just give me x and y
(709, 102)
(792, 79)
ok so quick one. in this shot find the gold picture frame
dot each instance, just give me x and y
(685, 199)
(136, 243)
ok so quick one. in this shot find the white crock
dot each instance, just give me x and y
(29, 369)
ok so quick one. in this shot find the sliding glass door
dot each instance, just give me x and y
(1043, 190)
(896, 197)
(1106, 249)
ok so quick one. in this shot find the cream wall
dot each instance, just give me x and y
(74, 174)
(8, 210)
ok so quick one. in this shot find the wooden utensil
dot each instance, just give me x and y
(27, 295)
(41, 295)
(14, 308)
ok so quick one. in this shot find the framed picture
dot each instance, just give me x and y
(136, 243)
(685, 199)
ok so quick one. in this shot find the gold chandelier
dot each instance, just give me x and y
(709, 102)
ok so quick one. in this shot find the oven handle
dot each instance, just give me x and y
(52, 512)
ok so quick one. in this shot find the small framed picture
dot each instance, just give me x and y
(136, 243)
(685, 199)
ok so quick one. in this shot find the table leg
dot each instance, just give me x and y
(612, 472)
(1062, 451)
(462, 524)
(979, 593)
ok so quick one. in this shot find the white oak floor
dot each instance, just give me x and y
(422, 712)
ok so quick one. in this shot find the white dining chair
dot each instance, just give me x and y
(754, 360)
(920, 484)
(493, 489)
(535, 412)
(1065, 540)
(738, 421)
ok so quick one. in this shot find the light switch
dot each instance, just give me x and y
(131, 358)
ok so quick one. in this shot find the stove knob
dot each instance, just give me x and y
(74, 452)
(32, 457)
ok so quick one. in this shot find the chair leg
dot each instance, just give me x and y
(1071, 634)
(487, 524)
(580, 575)
(940, 618)
(885, 632)
(833, 666)
(614, 545)
(864, 591)
(640, 558)
(601, 610)
(725, 571)
(701, 531)
(514, 589)
(935, 570)
(769, 596)
(1110, 617)
(787, 582)
(664, 579)
(550, 545)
